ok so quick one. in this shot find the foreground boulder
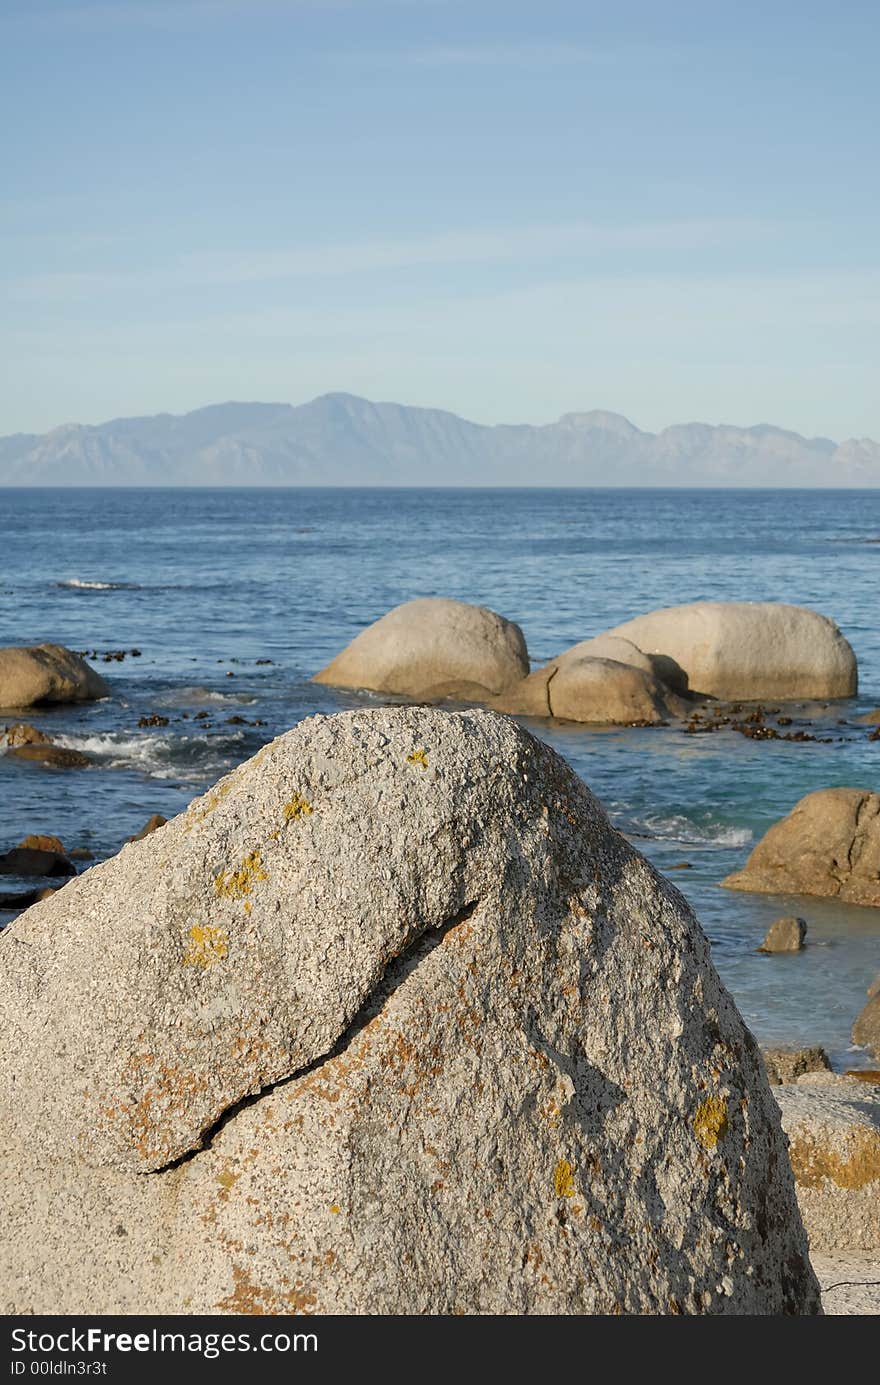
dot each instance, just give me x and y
(588, 689)
(433, 648)
(748, 649)
(33, 674)
(828, 845)
(497, 1071)
(833, 1124)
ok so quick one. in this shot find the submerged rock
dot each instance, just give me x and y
(749, 649)
(433, 648)
(32, 674)
(828, 845)
(785, 935)
(394, 1022)
(833, 1125)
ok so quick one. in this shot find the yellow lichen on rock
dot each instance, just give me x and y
(563, 1179)
(419, 757)
(207, 946)
(710, 1121)
(297, 807)
(236, 884)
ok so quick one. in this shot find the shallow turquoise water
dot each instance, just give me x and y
(205, 583)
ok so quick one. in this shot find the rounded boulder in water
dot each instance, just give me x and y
(432, 648)
(34, 674)
(748, 650)
(389, 1021)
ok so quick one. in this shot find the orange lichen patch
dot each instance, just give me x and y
(207, 946)
(236, 884)
(855, 1166)
(260, 1301)
(148, 1118)
(297, 808)
(710, 1121)
(335, 1208)
(419, 757)
(563, 1179)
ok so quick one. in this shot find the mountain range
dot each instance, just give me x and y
(342, 440)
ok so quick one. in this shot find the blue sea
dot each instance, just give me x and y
(234, 598)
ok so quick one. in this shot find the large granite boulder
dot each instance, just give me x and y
(390, 1021)
(748, 649)
(828, 845)
(433, 648)
(39, 673)
(582, 688)
(833, 1125)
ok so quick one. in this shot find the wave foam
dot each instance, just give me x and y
(680, 829)
(81, 584)
(159, 757)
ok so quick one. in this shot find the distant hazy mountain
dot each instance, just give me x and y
(340, 440)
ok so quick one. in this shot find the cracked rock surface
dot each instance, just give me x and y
(390, 1021)
(828, 845)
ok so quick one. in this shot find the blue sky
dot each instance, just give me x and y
(507, 209)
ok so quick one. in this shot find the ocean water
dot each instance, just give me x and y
(210, 585)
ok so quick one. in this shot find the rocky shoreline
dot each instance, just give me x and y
(449, 652)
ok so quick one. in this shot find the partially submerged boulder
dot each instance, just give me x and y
(33, 674)
(749, 650)
(27, 860)
(390, 1021)
(785, 934)
(22, 733)
(833, 1125)
(433, 648)
(623, 651)
(152, 824)
(828, 845)
(866, 1030)
(786, 1065)
(587, 689)
(41, 841)
(50, 755)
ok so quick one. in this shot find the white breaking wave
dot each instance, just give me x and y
(196, 697)
(678, 828)
(160, 757)
(80, 584)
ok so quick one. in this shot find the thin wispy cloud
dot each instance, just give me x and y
(172, 15)
(533, 245)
